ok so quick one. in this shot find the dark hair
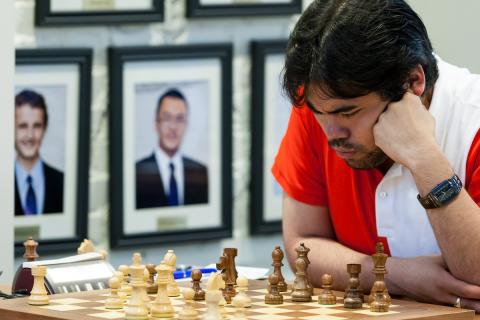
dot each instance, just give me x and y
(34, 99)
(350, 48)
(172, 93)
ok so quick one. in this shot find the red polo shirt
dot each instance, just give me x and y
(310, 171)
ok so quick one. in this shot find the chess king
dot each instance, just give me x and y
(383, 144)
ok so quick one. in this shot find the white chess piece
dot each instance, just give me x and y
(162, 307)
(212, 298)
(136, 307)
(38, 295)
(114, 301)
(170, 259)
(241, 298)
(188, 312)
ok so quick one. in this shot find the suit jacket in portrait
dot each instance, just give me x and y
(53, 192)
(149, 187)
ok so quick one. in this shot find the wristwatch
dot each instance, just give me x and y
(442, 194)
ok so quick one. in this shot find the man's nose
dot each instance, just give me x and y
(334, 129)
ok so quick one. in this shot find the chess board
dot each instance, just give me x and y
(90, 306)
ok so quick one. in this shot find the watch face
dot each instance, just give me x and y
(446, 191)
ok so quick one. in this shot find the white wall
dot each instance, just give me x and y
(175, 30)
(6, 140)
(454, 29)
(452, 26)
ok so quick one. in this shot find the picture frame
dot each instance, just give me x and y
(270, 111)
(51, 13)
(236, 8)
(61, 78)
(199, 117)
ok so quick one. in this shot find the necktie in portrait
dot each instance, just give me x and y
(31, 201)
(173, 194)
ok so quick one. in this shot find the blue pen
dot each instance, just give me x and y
(186, 273)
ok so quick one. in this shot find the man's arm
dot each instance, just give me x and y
(405, 132)
(421, 278)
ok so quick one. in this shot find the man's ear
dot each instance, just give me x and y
(416, 81)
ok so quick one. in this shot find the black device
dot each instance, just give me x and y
(442, 194)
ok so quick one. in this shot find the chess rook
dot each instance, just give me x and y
(38, 295)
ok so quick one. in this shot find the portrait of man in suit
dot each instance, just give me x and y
(38, 186)
(167, 177)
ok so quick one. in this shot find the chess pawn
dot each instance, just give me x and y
(151, 285)
(327, 297)
(188, 312)
(38, 295)
(277, 257)
(239, 307)
(379, 303)
(126, 288)
(170, 259)
(196, 276)
(301, 291)
(212, 298)
(136, 307)
(241, 298)
(273, 296)
(114, 301)
(352, 299)
(121, 293)
(30, 249)
(162, 307)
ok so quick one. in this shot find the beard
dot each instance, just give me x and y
(370, 159)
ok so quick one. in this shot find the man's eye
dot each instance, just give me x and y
(348, 115)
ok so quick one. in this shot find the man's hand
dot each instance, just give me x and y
(427, 279)
(405, 130)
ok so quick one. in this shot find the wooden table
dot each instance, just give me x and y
(89, 306)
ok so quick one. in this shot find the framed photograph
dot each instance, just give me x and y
(90, 12)
(170, 148)
(237, 8)
(52, 147)
(269, 120)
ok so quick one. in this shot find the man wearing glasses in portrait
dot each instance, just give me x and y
(166, 177)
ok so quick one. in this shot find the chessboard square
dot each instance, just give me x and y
(63, 307)
(271, 310)
(324, 317)
(108, 315)
(69, 301)
(337, 305)
(326, 311)
(269, 317)
(301, 306)
(297, 314)
(370, 313)
(176, 302)
(261, 291)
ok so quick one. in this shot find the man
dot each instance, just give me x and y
(166, 178)
(380, 119)
(38, 186)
